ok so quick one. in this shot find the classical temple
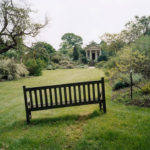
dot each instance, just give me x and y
(93, 51)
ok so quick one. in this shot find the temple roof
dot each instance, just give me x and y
(92, 47)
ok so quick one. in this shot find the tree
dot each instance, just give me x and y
(15, 25)
(111, 42)
(49, 48)
(136, 28)
(71, 39)
(76, 53)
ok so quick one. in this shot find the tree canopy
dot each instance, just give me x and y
(49, 48)
(70, 40)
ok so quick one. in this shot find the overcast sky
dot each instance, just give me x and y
(87, 18)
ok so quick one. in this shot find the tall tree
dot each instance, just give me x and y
(70, 40)
(76, 53)
(15, 25)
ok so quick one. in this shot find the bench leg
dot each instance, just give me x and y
(104, 106)
(100, 105)
(28, 116)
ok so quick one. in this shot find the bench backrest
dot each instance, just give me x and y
(54, 96)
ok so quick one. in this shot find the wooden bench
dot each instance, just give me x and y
(64, 95)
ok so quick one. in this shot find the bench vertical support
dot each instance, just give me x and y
(28, 112)
(103, 95)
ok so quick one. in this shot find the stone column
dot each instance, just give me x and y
(86, 54)
(100, 53)
(90, 55)
(96, 56)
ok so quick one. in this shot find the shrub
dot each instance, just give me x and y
(51, 67)
(56, 58)
(64, 62)
(103, 57)
(135, 76)
(70, 66)
(84, 60)
(119, 84)
(146, 89)
(100, 64)
(123, 80)
(10, 70)
(35, 66)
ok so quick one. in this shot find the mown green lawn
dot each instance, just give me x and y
(78, 128)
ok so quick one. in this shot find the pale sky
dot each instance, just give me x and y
(87, 18)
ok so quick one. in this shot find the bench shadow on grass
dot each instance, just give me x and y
(52, 122)
(69, 119)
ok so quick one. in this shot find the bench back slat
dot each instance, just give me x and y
(79, 94)
(65, 95)
(31, 100)
(45, 94)
(50, 96)
(41, 97)
(60, 95)
(70, 95)
(89, 93)
(75, 96)
(35, 96)
(84, 93)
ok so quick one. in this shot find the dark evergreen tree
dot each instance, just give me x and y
(76, 53)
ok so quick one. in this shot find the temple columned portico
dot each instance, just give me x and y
(93, 52)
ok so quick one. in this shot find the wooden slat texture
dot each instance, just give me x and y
(89, 93)
(93, 87)
(75, 94)
(79, 92)
(65, 95)
(41, 97)
(36, 100)
(60, 95)
(84, 93)
(70, 95)
(56, 100)
(45, 93)
(51, 97)
(31, 100)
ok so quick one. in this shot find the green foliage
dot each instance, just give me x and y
(43, 45)
(142, 45)
(56, 58)
(72, 39)
(76, 53)
(123, 80)
(119, 84)
(35, 66)
(37, 53)
(11, 70)
(51, 67)
(146, 89)
(103, 57)
(84, 60)
(100, 64)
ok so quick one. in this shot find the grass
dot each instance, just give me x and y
(73, 128)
